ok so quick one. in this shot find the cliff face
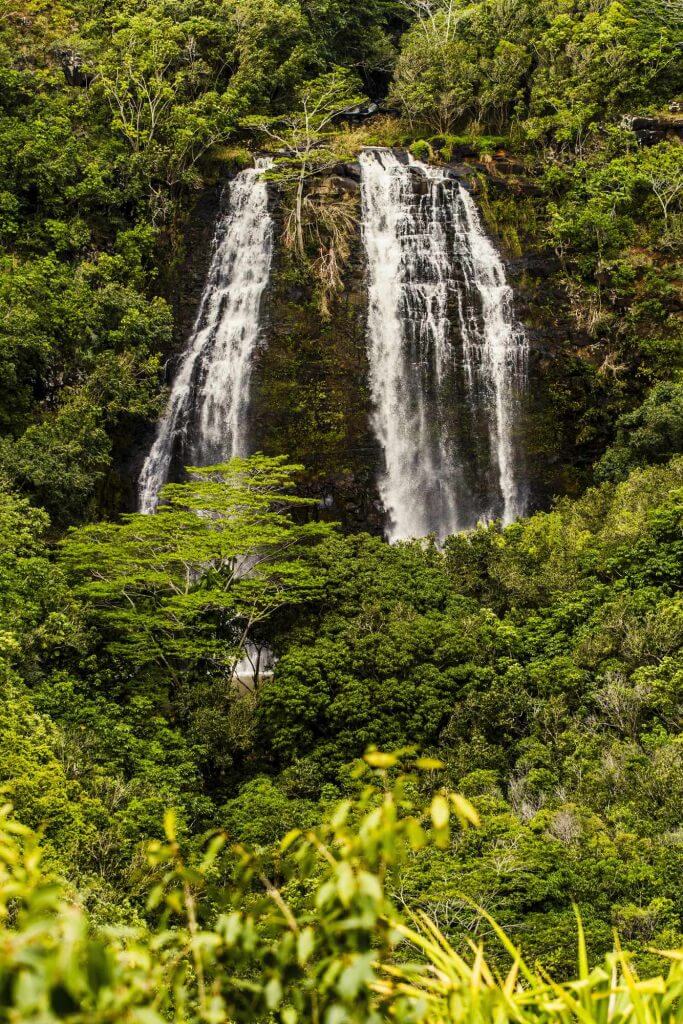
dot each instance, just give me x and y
(562, 356)
(309, 395)
(309, 391)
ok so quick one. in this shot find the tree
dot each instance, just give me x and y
(662, 168)
(651, 434)
(438, 73)
(187, 585)
(38, 615)
(62, 459)
(437, 18)
(161, 93)
(304, 135)
(667, 12)
(504, 77)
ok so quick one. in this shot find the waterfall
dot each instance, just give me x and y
(255, 665)
(206, 417)
(447, 358)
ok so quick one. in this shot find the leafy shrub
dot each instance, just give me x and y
(245, 951)
(421, 150)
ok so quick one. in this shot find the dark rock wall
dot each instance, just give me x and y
(310, 396)
(561, 356)
(310, 393)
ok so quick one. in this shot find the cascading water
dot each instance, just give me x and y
(447, 358)
(206, 416)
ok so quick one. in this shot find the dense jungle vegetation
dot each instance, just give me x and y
(534, 670)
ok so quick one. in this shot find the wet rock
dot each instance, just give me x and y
(651, 130)
(463, 174)
(72, 66)
(364, 112)
(352, 170)
(344, 184)
(339, 170)
(401, 155)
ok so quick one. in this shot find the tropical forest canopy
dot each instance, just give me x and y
(535, 669)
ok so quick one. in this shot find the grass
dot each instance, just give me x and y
(449, 989)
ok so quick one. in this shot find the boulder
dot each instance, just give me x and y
(651, 130)
(72, 66)
(345, 184)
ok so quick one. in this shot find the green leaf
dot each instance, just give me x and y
(377, 759)
(440, 812)
(305, 944)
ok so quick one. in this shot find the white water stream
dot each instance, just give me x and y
(447, 358)
(206, 417)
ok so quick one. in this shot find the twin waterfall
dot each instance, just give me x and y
(447, 360)
(206, 417)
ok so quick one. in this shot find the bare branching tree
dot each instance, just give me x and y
(301, 136)
(438, 18)
(663, 171)
(139, 90)
(667, 12)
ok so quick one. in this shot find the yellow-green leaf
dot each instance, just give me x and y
(304, 945)
(465, 811)
(170, 825)
(428, 764)
(440, 811)
(378, 759)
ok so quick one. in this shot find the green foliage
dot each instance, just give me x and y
(542, 664)
(93, 774)
(236, 962)
(539, 664)
(436, 76)
(421, 150)
(651, 434)
(188, 584)
(155, 79)
(37, 613)
(610, 992)
(558, 67)
(333, 956)
(62, 459)
(662, 170)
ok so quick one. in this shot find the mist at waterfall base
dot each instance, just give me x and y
(255, 665)
(206, 417)
(448, 361)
